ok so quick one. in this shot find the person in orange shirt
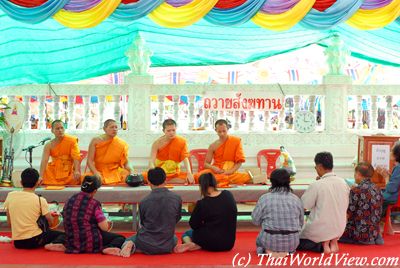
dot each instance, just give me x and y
(168, 152)
(65, 167)
(108, 155)
(224, 158)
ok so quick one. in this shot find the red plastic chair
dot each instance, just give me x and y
(388, 222)
(271, 156)
(200, 156)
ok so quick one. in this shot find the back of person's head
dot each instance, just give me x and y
(280, 180)
(90, 184)
(156, 176)
(168, 122)
(396, 151)
(207, 180)
(29, 177)
(325, 159)
(365, 169)
(221, 122)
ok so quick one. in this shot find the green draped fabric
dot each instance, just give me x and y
(51, 53)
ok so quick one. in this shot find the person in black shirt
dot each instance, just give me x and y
(213, 220)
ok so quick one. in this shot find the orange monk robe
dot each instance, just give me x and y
(110, 158)
(225, 157)
(169, 158)
(60, 170)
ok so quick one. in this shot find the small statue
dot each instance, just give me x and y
(287, 162)
(139, 56)
(336, 55)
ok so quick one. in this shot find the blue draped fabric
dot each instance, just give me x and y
(339, 12)
(32, 15)
(51, 53)
(234, 16)
(134, 11)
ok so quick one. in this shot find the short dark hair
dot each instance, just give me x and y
(396, 151)
(365, 169)
(325, 159)
(57, 121)
(207, 180)
(168, 122)
(280, 180)
(90, 184)
(108, 121)
(156, 176)
(29, 177)
(220, 122)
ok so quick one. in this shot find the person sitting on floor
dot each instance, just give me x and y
(23, 209)
(85, 225)
(281, 216)
(365, 209)
(391, 192)
(213, 220)
(328, 200)
(159, 212)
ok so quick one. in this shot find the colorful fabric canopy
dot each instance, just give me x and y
(229, 33)
(276, 15)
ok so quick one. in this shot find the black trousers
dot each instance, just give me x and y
(112, 240)
(309, 245)
(54, 237)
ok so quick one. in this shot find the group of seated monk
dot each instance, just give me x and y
(108, 157)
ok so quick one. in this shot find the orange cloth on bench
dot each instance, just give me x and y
(60, 170)
(110, 158)
(225, 157)
(169, 158)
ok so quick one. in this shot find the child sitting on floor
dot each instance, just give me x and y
(281, 216)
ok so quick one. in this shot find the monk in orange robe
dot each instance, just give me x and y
(227, 157)
(65, 167)
(108, 156)
(168, 152)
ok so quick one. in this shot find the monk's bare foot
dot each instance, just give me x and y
(333, 244)
(55, 247)
(327, 249)
(127, 249)
(112, 251)
(278, 254)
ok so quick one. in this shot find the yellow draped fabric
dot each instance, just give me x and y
(176, 17)
(286, 20)
(375, 18)
(88, 18)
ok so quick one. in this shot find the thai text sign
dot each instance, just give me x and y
(225, 100)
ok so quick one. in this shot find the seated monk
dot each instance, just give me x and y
(168, 152)
(227, 155)
(65, 167)
(108, 156)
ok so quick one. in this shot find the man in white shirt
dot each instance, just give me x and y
(327, 199)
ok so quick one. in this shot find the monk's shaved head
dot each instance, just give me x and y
(221, 122)
(108, 121)
(168, 122)
(58, 121)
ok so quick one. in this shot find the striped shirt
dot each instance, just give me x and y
(278, 211)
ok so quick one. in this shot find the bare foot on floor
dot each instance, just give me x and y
(333, 244)
(127, 249)
(112, 251)
(190, 246)
(55, 247)
(327, 249)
